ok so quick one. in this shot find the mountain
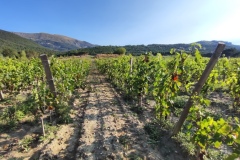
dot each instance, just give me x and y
(55, 42)
(8, 40)
(70, 46)
(210, 46)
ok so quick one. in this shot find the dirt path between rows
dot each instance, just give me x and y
(109, 130)
(104, 128)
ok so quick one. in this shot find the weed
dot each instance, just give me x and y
(63, 112)
(125, 115)
(180, 101)
(177, 112)
(136, 109)
(152, 131)
(9, 113)
(25, 143)
(115, 102)
(114, 115)
(127, 97)
(215, 154)
(50, 131)
(9, 118)
(10, 125)
(166, 124)
(7, 101)
(124, 140)
(185, 142)
(134, 156)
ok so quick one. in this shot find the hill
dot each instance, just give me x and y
(208, 47)
(17, 44)
(70, 46)
(55, 42)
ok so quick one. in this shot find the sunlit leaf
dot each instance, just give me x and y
(217, 144)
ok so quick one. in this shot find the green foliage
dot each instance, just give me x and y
(8, 52)
(23, 54)
(185, 143)
(50, 132)
(152, 130)
(120, 51)
(19, 75)
(166, 79)
(25, 143)
(180, 101)
(206, 48)
(124, 140)
(137, 109)
(8, 115)
(196, 46)
(231, 52)
(134, 156)
(162, 79)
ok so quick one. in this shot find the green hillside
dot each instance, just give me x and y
(12, 44)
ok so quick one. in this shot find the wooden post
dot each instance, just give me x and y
(131, 64)
(198, 87)
(1, 96)
(49, 76)
(140, 97)
(43, 129)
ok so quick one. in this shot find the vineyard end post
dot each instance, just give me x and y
(48, 72)
(198, 87)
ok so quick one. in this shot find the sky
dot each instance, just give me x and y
(126, 22)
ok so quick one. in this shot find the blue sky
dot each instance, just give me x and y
(126, 22)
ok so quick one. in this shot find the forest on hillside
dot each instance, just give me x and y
(137, 50)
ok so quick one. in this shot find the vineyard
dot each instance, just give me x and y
(121, 107)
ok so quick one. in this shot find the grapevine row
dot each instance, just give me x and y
(28, 76)
(164, 79)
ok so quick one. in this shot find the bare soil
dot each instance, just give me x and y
(103, 128)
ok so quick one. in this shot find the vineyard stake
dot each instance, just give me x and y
(1, 96)
(198, 87)
(49, 76)
(43, 127)
(131, 64)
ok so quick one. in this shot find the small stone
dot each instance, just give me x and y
(105, 148)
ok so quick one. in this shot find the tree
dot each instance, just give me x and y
(231, 52)
(23, 54)
(8, 52)
(31, 54)
(120, 50)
